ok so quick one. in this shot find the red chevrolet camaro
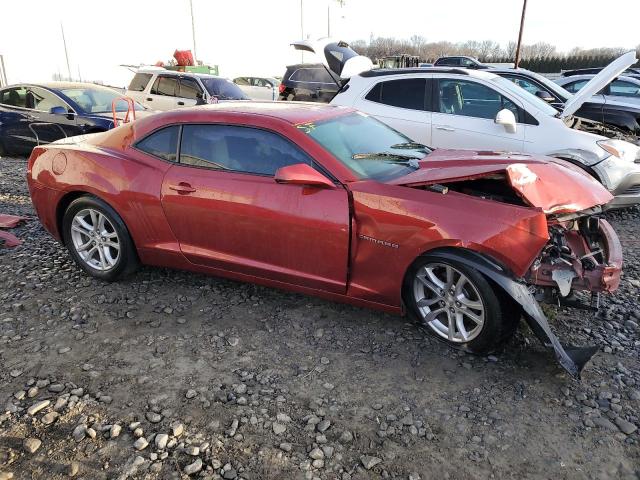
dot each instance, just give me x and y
(329, 201)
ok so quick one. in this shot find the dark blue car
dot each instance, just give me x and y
(32, 115)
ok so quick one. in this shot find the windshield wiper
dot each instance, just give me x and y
(410, 145)
(397, 158)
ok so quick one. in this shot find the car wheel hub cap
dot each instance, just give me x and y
(95, 239)
(448, 302)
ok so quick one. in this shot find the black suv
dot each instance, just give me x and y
(308, 82)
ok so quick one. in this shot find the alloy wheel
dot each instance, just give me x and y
(95, 239)
(448, 302)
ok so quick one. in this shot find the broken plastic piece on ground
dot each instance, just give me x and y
(9, 240)
(10, 221)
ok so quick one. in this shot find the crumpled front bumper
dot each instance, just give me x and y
(604, 277)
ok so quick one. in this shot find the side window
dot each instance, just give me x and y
(241, 81)
(240, 149)
(165, 86)
(573, 87)
(161, 143)
(528, 85)
(139, 82)
(403, 93)
(471, 99)
(465, 62)
(624, 89)
(14, 97)
(189, 88)
(43, 100)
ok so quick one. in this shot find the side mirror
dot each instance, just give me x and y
(200, 99)
(507, 119)
(302, 174)
(58, 110)
(546, 96)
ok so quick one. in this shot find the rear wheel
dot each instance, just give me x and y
(457, 304)
(98, 239)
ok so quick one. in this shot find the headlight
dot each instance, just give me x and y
(621, 149)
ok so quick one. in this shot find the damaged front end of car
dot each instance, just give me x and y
(582, 252)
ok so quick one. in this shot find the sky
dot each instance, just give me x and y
(251, 37)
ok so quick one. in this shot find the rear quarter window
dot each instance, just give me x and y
(161, 143)
(139, 82)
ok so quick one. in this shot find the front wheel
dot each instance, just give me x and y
(457, 304)
(98, 239)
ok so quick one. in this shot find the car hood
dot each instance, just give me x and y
(552, 185)
(597, 83)
(337, 56)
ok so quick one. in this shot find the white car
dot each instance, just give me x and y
(622, 89)
(160, 89)
(472, 109)
(258, 88)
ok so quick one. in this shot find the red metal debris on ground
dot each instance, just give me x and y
(9, 221)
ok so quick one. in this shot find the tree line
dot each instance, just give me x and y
(540, 57)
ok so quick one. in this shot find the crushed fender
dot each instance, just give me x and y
(572, 359)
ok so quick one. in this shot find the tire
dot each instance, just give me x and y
(442, 294)
(106, 252)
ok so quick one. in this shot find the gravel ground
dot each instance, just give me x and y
(176, 375)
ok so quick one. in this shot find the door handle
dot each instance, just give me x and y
(446, 129)
(149, 99)
(182, 188)
(180, 103)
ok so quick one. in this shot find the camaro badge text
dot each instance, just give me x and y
(378, 242)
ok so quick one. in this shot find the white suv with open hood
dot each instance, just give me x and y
(469, 109)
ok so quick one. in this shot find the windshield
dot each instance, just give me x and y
(97, 100)
(369, 148)
(551, 86)
(518, 92)
(223, 89)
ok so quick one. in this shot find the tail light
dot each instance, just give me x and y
(281, 88)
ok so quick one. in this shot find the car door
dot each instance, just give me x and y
(53, 118)
(163, 93)
(401, 103)
(228, 212)
(464, 117)
(15, 120)
(189, 92)
(262, 89)
(623, 91)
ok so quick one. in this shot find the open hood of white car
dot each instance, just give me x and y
(336, 55)
(597, 83)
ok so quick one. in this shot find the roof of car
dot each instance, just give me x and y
(164, 71)
(574, 78)
(63, 85)
(294, 113)
(379, 72)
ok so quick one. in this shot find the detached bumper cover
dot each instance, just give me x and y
(572, 359)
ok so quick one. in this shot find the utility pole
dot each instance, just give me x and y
(328, 20)
(3, 73)
(66, 54)
(301, 32)
(524, 9)
(193, 33)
